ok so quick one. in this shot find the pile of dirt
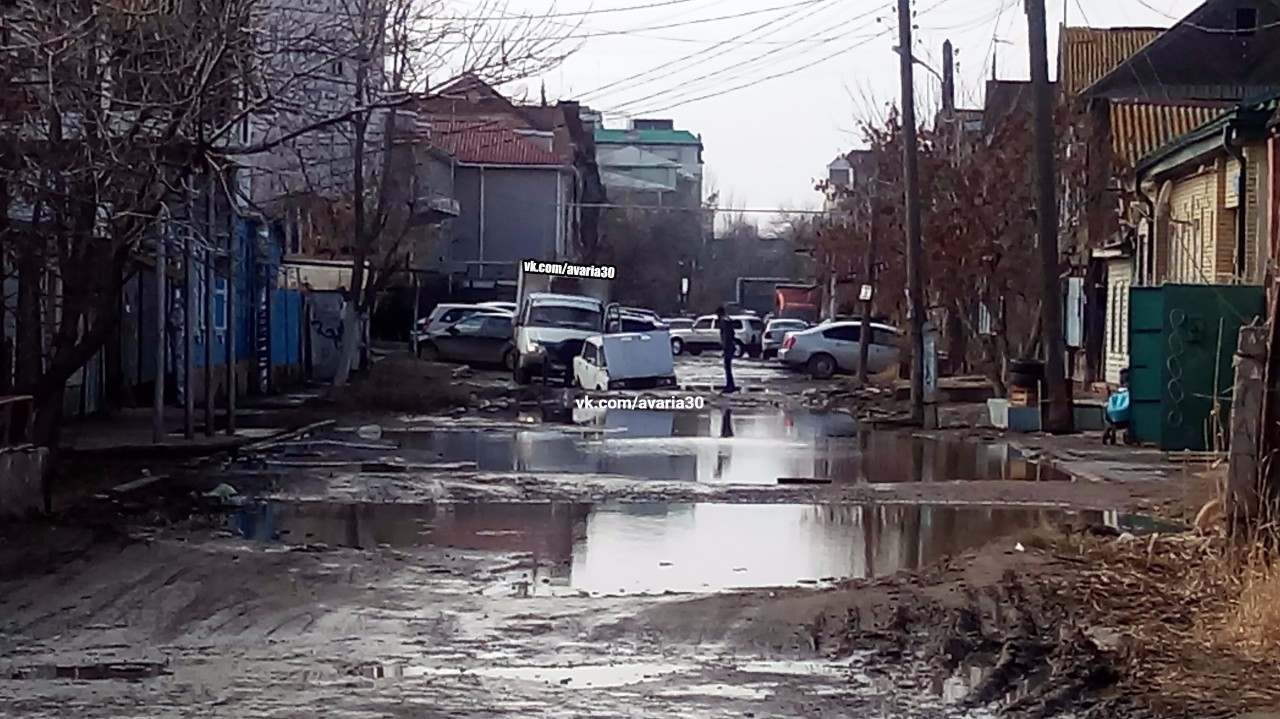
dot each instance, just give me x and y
(403, 383)
(1073, 623)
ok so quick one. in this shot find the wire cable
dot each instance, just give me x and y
(685, 87)
(685, 58)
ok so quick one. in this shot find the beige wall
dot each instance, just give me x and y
(1199, 238)
(1115, 348)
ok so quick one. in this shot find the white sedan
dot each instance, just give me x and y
(826, 349)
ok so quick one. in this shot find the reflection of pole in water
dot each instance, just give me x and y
(726, 423)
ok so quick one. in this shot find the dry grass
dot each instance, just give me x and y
(404, 383)
(1254, 625)
(1202, 615)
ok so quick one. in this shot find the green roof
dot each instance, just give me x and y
(646, 137)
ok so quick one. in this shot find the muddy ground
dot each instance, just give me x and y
(513, 558)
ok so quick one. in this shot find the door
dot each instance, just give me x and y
(493, 339)
(842, 343)
(461, 341)
(704, 333)
(588, 370)
(883, 352)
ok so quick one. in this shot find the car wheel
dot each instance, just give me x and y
(822, 366)
(509, 359)
(754, 351)
(739, 349)
(429, 352)
(677, 346)
(768, 354)
(521, 374)
(695, 351)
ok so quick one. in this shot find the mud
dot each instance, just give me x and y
(517, 559)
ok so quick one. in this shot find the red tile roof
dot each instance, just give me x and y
(489, 142)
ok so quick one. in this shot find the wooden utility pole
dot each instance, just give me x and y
(188, 331)
(868, 277)
(209, 285)
(162, 316)
(1059, 417)
(915, 252)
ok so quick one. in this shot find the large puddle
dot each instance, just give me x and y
(654, 548)
(718, 446)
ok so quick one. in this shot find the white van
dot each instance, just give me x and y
(632, 360)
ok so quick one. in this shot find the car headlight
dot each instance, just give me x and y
(535, 348)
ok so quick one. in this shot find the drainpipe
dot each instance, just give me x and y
(1235, 151)
(1149, 260)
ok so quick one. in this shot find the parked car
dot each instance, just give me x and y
(775, 332)
(679, 329)
(748, 333)
(641, 311)
(639, 360)
(834, 347)
(445, 315)
(481, 338)
(504, 306)
(628, 322)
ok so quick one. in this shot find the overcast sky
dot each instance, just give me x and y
(767, 138)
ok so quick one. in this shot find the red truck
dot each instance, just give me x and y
(798, 302)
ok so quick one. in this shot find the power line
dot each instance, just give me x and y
(685, 58)
(686, 23)
(863, 41)
(573, 13)
(685, 87)
(767, 78)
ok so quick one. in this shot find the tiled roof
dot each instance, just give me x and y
(1087, 53)
(645, 137)
(1138, 129)
(489, 143)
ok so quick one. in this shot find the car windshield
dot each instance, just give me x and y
(564, 317)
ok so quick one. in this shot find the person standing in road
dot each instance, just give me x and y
(727, 341)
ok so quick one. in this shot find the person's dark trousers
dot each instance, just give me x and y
(729, 386)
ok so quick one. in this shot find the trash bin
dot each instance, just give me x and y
(1025, 376)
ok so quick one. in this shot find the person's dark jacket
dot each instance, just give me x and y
(726, 333)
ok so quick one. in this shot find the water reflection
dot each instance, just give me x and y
(652, 548)
(728, 447)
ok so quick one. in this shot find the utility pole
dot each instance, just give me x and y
(162, 291)
(1059, 418)
(915, 252)
(868, 278)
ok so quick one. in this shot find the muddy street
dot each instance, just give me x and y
(517, 561)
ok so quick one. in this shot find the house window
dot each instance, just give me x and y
(1246, 20)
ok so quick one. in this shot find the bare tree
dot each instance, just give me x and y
(332, 121)
(102, 128)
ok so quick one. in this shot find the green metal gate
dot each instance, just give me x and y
(1182, 339)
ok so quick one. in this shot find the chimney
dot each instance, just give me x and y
(948, 78)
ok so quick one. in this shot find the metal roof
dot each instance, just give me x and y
(646, 137)
(1204, 56)
(1138, 128)
(1086, 54)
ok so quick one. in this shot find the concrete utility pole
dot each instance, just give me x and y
(1059, 419)
(915, 252)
